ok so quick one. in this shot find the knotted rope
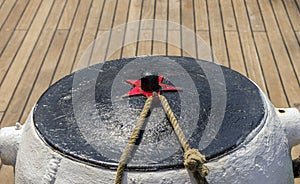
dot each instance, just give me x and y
(193, 159)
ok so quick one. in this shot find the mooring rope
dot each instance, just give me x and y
(193, 159)
(127, 154)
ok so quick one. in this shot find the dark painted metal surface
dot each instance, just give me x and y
(85, 117)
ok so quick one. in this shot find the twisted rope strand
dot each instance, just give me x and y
(193, 159)
(128, 152)
(183, 141)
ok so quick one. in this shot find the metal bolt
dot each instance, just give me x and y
(18, 126)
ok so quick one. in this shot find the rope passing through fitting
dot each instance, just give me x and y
(193, 159)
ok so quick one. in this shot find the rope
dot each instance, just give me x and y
(193, 159)
(128, 152)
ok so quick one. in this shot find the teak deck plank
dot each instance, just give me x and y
(276, 92)
(144, 43)
(23, 90)
(132, 29)
(174, 15)
(74, 39)
(1, 2)
(10, 23)
(6, 175)
(173, 47)
(173, 36)
(69, 14)
(204, 46)
(286, 71)
(89, 35)
(254, 15)
(298, 36)
(228, 15)
(6, 8)
(252, 61)
(188, 37)
(147, 13)
(217, 34)
(21, 59)
(47, 70)
(121, 13)
(250, 58)
(107, 22)
(146, 30)
(17, 68)
(114, 48)
(160, 28)
(28, 15)
(298, 3)
(293, 12)
(235, 53)
(99, 47)
(108, 15)
(10, 52)
(288, 36)
(201, 15)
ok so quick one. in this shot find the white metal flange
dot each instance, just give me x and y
(10, 138)
(290, 118)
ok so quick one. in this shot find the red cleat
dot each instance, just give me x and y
(149, 86)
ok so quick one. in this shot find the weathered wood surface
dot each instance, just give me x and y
(41, 41)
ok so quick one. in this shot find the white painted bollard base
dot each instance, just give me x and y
(263, 158)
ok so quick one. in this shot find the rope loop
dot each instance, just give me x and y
(194, 161)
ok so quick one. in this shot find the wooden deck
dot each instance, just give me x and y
(42, 41)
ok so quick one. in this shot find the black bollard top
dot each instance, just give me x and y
(89, 115)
